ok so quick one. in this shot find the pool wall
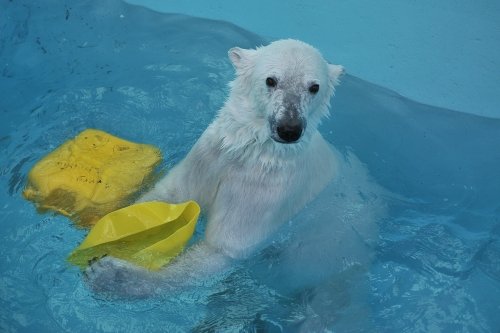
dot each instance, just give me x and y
(444, 53)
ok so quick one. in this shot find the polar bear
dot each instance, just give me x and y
(256, 165)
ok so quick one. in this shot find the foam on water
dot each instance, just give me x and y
(416, 202)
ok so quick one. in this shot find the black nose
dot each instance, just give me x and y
(290, 131)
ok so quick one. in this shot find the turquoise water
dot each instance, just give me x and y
(444, 53)
(426, 176)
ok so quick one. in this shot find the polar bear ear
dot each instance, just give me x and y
(335, 72)
(242, 59)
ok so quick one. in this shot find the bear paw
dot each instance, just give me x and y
(118, 278)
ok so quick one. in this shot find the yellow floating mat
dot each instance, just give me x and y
(91, 175)
(148, 234)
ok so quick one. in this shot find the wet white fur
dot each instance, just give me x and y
(246, 183)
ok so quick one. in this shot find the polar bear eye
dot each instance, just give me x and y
(314, 88)
(270, 82)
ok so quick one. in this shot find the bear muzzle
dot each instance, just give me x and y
(288, 129)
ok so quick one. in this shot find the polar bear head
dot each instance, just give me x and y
(287, 86)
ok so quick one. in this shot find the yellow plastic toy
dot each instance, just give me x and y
(91, 175)
(148, 234)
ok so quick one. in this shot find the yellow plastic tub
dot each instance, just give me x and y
(148, 234)
(91, 175)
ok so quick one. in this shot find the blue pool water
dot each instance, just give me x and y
(444, 53)
(427, 177)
